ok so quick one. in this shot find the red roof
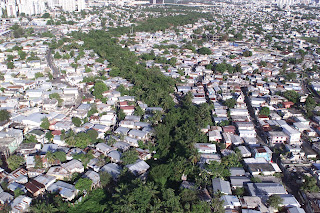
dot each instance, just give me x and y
(56, 132)
(123, 103)
(127, 107)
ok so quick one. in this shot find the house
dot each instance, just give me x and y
(94, 176)
(245, 153)
(30, 162)
(295, 210)
(235, 171)
(277, 137)
(113, 169)
(138, 134)
(28, 148)
(139, 167)
(45, 180)
(19, 175)
(59, 173)
(20, 204)
(244, 133)
(287, 104)
(262, 152)
(131, 141)
(289, 200)
(144, 154)
(253, 202)
(114, 156)
(14, 186)
(206, 148)
(93, 164)
(5, 197)
(258, 166)
(293, 134)
(222, 186)
(123, 146)
(230, 201)
(35, 188)
(207, 158)
(227, 137)
(264, 190)
(239, 181)
(214, 135)
(104, 148)
(122, 130)
(128, 110)
(73, 166)
(66, 190)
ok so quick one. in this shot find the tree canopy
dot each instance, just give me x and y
(4, 115)
(98, 89)
(204, 51)
(15, 161)
(292, 95)
(45, 123)
(84, 184)
(265, 111)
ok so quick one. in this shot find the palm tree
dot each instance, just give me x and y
(50, 157)
(42, 207)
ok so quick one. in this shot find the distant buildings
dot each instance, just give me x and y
(13, 8)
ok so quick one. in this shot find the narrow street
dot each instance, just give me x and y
(57, 78)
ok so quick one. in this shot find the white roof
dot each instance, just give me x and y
(138, 167)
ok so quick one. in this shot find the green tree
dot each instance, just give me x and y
(22, 55)
(98, 89)
(92, 134)
(46, 15)
(217, 204)
(45, 123)
(10, 65)
(105, 179)
(129, 157)
(57, 55)
(291, 76)
(57, 97)
(50, 157)
(120, 114)
(138, 111)
(4, 115)
(60, 155)
(38, 162)
(256, 180)
(292, 95)
(263, 63)
(204, 51)
(310, 184)
(49, 136)
(76, 121)
(18, 192)
(247, 53)
(274, 201)
(17, 31)
(265, 111)
(30, 139)
(38, 75)
(230, 103)
(84, 184)
(82, 140)
(239, 191)
(15, 161)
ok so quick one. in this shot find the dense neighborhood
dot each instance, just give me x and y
(161, 108)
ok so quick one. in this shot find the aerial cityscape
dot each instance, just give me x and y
(160, 106)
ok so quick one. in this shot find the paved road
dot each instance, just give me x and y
(258, 128)
(58, 78)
